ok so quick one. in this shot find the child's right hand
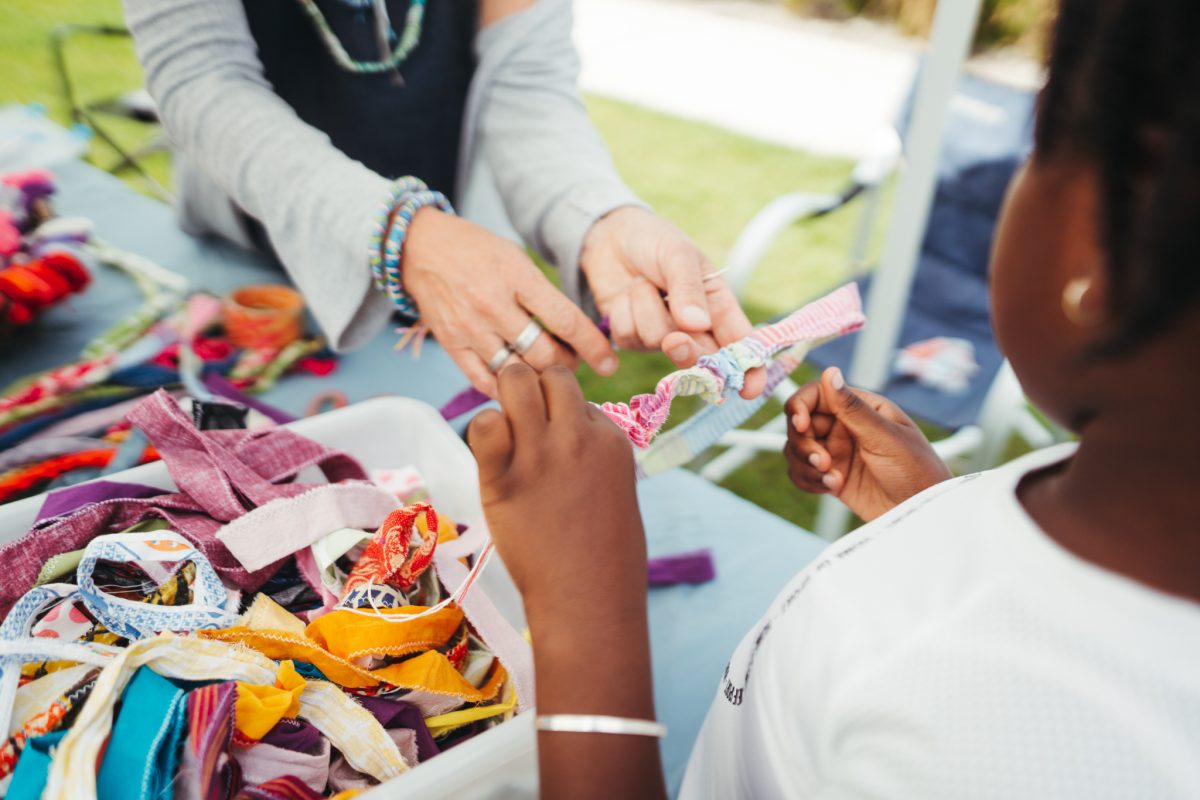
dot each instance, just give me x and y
(857, 446)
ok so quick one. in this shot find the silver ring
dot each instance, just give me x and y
(497, 361)
(527, 337)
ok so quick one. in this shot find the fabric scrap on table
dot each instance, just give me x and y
(694, 567)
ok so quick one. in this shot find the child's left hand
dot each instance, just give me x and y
(557, 481)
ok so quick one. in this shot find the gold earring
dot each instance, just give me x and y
(1072, 302)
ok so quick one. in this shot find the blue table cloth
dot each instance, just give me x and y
(694, 628)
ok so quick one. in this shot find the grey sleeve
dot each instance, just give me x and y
(551, 167)
(316, 204)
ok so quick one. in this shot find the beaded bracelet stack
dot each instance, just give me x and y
(406, 196)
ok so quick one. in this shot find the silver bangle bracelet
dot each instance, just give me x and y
(596, 723)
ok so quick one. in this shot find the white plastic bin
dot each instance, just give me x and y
(394, 432)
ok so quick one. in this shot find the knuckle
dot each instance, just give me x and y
(564, 322)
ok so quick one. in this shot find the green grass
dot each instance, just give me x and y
(710, 182)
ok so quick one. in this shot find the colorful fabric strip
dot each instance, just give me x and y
(143, 752)
(387, 559)
(29, 778)
(138, 620)
(264, 762)
(286, 788)
(209, 771)
(719, 375)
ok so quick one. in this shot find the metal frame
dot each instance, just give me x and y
(130, 105)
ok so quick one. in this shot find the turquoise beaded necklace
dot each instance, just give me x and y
(389, 62)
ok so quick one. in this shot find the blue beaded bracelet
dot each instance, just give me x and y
(393, 246)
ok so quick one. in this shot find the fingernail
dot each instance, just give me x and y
(828, 480)
(607, 367)
(680, 353)
(836, 380)
(815, 460)
(797, 422)
(695, 317)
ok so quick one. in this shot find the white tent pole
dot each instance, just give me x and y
(950, 41)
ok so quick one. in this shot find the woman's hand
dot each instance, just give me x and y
(477, 292)
(857, 446)
(650, 280)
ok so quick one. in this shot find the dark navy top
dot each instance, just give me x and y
(394, 129)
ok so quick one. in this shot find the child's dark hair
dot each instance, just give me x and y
(1124, 94)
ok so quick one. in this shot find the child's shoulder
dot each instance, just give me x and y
(922, 561)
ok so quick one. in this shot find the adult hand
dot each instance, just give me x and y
(557, 481)
(477, 292)
(649, 278)
(857, 446)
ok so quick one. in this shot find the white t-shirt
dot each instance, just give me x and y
(950, 649)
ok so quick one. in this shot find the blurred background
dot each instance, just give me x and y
(711, 109)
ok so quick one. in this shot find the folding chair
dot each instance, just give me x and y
(988, 135)
(135, 104)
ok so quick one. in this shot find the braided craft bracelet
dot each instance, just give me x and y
(719, 376)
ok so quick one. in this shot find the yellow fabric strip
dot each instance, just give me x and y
(354, 634)
(444, 723)
(259, 707)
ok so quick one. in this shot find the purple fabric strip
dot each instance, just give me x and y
(219, 385)
(467, 400)
(295, 735)
(73, 498)
(399, 714)
(695, 567)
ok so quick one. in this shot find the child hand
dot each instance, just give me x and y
(557, 481)
(857, 446)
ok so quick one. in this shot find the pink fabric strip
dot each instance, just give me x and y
(496, 631)
(279, 528)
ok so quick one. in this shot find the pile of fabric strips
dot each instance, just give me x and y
(247, 635)
(68, 424)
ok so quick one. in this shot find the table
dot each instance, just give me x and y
(693, 628)
(147, 227)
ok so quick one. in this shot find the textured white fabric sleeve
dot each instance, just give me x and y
(551, 167)
(316, 203)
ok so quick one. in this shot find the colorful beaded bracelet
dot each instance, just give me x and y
(393, 246)
(398, 191)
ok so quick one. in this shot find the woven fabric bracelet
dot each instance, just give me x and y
(393, 246)
(718, 377)
(397, 191)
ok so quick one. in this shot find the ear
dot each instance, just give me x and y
(1087, 287)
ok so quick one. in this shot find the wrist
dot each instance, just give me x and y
(388, 268)
(594, 667)
(422, 233)
(607, 618)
